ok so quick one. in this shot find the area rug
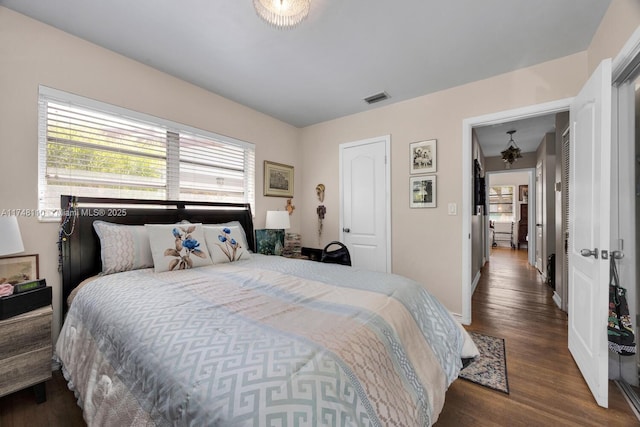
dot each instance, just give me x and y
(490, 368)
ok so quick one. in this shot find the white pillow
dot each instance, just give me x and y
(226, 243)
(177, 246)
(123, 247)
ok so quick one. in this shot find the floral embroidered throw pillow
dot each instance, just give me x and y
(226, 243)
(177, 246)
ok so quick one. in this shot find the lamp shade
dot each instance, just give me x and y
(277, 220)
(10, 238)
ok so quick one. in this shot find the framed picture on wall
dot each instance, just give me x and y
(278, 179)
(523, 193)
(423, 156)
(422, 191)
(18, 269)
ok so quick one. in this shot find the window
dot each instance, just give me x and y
(88, 148)
(501, 200)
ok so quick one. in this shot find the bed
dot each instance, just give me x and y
(255, 340)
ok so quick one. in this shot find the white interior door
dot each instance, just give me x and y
(589, 229)
(365, 203)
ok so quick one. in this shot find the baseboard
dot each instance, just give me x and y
(556, 298)
(456, 316)
(474, 284)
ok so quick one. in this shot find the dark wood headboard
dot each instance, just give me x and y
(80, 246)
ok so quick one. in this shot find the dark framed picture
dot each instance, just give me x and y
(269, 241)
(423, 156)
(422, 191)
(18, 269)
(278, 179)
(523, 193)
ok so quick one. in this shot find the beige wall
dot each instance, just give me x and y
(620, 21)
(33, 53)
(426, 243)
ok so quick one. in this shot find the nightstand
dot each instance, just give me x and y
(25, 352)
(312, 253)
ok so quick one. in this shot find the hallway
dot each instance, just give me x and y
(546, 387)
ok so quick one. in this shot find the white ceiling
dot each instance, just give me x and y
(344, 51)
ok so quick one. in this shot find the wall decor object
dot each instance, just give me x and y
(321, 210)
(267, 240)
(290, 207)
(422, 191)
(320, 192)
(423, 156)
(278, 179)
(523, 193)
(17, 269)
(479, 189)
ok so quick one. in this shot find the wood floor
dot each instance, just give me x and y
(511, 302)
(60, 410)
(546, 388)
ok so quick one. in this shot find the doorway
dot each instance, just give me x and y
(624, 189)
(512, 218)
(468, 126)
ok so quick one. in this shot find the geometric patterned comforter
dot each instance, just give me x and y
(268, 341)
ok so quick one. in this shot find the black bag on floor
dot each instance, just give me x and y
(619, 327)
(336, 256)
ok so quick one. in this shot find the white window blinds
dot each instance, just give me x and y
(87, 148)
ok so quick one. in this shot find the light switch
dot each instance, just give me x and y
(453, 209)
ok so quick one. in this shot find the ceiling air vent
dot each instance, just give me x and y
(376, 98)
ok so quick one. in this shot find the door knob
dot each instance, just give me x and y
(588, 253)
(346, 230)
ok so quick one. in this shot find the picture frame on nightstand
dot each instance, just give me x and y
(269, 242)
(20, 268)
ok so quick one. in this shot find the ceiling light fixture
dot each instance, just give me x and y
(512, 152)
(282, 13)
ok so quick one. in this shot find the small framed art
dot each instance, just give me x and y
(423, 156)
(278, 179)
(17, 269)
(422, 191)
(269, 242)
(523, 193)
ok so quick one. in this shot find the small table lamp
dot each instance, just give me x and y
(10, 243)
(10, 237)
(278, 220)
